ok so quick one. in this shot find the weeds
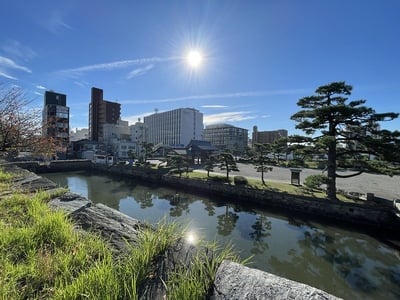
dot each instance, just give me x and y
(43, 256)
(195, 282)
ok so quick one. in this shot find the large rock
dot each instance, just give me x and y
(234, 281)
(116, 228)
(70, 203)
(28, 181)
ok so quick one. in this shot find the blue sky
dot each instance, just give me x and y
(259, 57)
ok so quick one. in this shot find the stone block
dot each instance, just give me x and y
(235, 281)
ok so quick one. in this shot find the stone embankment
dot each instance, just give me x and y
(374, 214)
(233, 281)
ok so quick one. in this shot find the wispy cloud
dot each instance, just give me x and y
(2, 74)
(41, 87)
(37, 93)
(16, 49)
(214, 106)
(135, 118)
(7, 65)
(115, 65)
(233, 116)
(219, 96)
(82, 84)
(55, 23)
(139, 71)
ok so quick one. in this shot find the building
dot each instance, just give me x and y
(113, 132)
(79, 134)
(267, 137)
(175, 128)
(117, 139)
(101, 112)
(227, 137)
(55, 118)
(139, 135)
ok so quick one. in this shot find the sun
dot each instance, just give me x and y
(194, 58)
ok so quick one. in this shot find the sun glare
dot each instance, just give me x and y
(192, 238)
(194, 58)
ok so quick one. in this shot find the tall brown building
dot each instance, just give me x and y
(267, 137)
(101, 112)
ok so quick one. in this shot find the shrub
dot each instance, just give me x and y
(218, 179)
(314, 182)
(240, 180)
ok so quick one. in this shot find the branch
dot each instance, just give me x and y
(348, 176)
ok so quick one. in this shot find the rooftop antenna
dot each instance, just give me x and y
(156, 110)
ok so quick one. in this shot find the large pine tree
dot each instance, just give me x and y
(349, 133)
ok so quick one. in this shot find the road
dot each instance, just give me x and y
(381, 185)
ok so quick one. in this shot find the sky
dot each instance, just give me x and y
(258, 57)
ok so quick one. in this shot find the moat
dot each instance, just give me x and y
(345, 263)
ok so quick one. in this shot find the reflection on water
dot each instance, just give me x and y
(347, 264)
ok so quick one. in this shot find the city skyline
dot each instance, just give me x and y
(258, 59)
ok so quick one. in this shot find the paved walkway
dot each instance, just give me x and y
(381, 185)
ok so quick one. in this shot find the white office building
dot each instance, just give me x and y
(139, 135)
(175, 128)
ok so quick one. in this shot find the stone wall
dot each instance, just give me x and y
(368, 215)
(360, 214)
(54, 165)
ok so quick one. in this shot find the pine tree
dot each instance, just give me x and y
(349, 133)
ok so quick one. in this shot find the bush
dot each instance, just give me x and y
(240, 180)
(218, 179)
(314, 182)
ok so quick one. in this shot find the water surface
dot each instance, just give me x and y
(345, 263)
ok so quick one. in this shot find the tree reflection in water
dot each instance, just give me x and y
(227, 222)
(261, 231)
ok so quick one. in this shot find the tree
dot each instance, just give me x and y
(279, 147)
(20, 125)
(227, 162)
(210, 164)
(348, 132)
(146, 151)
(178, 162)
(260, 159)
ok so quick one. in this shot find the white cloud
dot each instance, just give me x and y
(214, 106)
(55, 23)
(37, 93)
(3, 74)
(135, 118)
(16, 49)
(83, 84)
(114, 65)
(220, 96)
(234, 116)
(7, 63)
(41, 87)
(139, 71)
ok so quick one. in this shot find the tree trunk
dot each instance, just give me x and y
(262, 176)
(331, 184)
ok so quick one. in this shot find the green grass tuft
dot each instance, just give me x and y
(43, 256)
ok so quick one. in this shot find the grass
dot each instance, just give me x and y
(43, 256)
(5, 179)
(196, 282)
